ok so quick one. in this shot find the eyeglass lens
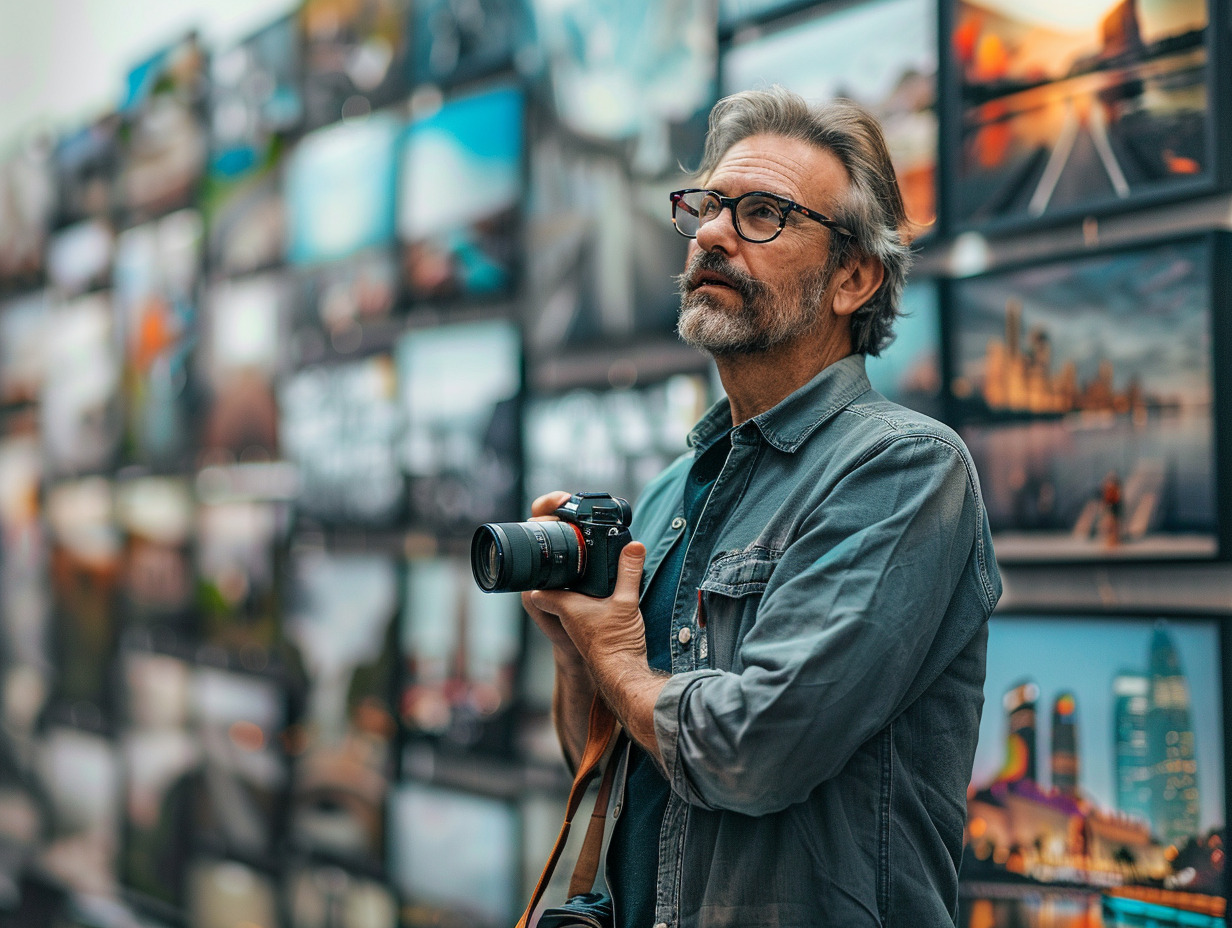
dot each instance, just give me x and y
(758, 218)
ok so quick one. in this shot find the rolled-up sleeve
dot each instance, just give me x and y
(843, 628)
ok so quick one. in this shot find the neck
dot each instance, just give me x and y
(760, 381)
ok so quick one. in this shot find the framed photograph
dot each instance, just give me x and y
(25, 601)
(240, 791)
(79, 258)
(461, 183)
(24, 322)
(635, 77)
(27, 202)
(1086, 391)
(86, 559)
(85, 166)
(341, 425)
(881, 54)
(602, 253)
(611, 440)
(339, 190)
(354, 56)
(81, 411)
(455, 856)
(243, 351)
(460, 388)
(453, 42)
(340, 624)
(256, 107)
(1075, 110)
(80, 774)
(461, 653)
(1098, 790)
(239, 555)
(165, 142)
(157, 272)
(156, 517)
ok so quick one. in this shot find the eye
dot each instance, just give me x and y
(762, 210)
(710, 207)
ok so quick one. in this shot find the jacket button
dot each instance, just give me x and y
(685, 635)
(678, 523)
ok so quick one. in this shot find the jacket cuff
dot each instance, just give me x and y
(668, 712)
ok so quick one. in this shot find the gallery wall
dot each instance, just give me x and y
(297, 311)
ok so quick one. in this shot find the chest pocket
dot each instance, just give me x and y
(730, 595)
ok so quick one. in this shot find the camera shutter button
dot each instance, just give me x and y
(678, 523)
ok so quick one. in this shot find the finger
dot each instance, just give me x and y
(629, 569)
(548, 503)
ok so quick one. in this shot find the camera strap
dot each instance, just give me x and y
(603, 736)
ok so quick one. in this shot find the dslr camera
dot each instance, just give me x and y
(579, 553)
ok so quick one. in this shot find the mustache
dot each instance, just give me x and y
(713, 262)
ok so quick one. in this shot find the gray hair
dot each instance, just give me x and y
(873, 208)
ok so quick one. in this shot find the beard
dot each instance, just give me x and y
(764, 319)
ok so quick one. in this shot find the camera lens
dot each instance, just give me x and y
(515, 556)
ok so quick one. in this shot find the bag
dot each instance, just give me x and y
(585, 910)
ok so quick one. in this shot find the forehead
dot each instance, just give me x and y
(777, 164)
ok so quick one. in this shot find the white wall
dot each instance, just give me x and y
(64, 61)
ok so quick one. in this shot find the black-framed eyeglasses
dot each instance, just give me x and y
(758, 216)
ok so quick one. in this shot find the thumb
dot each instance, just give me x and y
(629, 571)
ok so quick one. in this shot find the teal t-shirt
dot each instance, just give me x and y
(633, 852)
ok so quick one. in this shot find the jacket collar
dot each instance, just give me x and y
(787, 425)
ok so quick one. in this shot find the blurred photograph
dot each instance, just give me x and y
(341, 425)
(1098, 788)
(157, 272)
(459, 387)
(461, 651)
(464, 39)
(239, 555)
(456, 857)
(243, 350)
(636, 76)
(1085, 391)
(354, 56)
(79, 258)
(165, 142)
(341, 626)
(611, 439)
(601, 250)
(1079, 107)
(459, 195)
(80, 412)
(24, 331)
(27, 202)
(86, 552)
(156, 517)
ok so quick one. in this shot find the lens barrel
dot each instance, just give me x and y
(511, 557)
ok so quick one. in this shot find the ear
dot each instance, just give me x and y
(856, 280)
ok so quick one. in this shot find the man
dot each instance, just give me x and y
(802, 673)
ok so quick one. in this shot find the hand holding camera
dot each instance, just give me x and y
(580, 552)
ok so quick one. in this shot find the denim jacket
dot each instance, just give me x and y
(828, 643)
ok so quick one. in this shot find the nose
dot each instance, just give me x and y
(719, 233)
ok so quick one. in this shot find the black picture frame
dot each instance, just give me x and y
(1140, 676)
(1053, 519)
(1109, 176)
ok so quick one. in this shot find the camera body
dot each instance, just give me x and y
(581, 552)
(603, 522)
